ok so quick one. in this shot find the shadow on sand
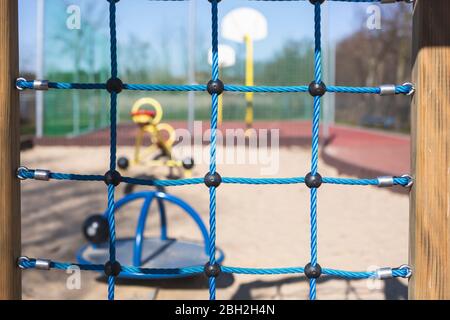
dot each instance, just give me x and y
(393, 288)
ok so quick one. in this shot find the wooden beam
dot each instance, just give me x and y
(10, 276)
(430, 197)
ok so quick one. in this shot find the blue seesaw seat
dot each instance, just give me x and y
(162, 252)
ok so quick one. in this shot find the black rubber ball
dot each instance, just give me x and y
(215, 86)
(212, 180)
(112, 268)
(123, 163)
(316, 1)
(114, 85)
(313, 272)
(113, 177)
(188, 163)
(96, 229)
(317, 89)
(212, 270)
(313, 181)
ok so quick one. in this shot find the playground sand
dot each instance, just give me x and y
(257, 226)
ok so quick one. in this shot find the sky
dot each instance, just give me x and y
(166, 21)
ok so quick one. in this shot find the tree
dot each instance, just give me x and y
(373, 57)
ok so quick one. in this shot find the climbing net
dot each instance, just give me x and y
(212, 179)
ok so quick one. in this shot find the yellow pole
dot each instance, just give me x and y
(220, 115)
(249, 81)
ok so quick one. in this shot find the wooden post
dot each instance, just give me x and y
(10, 277)
(430, 197)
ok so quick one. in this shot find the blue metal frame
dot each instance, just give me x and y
(161, 197)
(148, 197)
(129, 275)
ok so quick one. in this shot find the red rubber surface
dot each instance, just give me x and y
(357, 151)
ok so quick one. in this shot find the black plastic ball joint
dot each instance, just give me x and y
(188, 163)
(123, 163)
(113, 177)
(313, 272)
(112, 268)
(316, 1)
(212, 270)
(114, 85)
(215, 86)
(313, 181)
(212, 180)
(317, 89)
(96, 229)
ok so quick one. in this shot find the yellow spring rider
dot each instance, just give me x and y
(147, 114)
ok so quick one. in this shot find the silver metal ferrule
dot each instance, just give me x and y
(387, 89)
(384, 273)
(386, 181)
(43, 264)
(43, 175)
(40, 85)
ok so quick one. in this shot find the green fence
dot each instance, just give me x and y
(82, 55)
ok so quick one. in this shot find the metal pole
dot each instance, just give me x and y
(249, 81)
(191, 62)
(331, 81)
(40, 67)
(329, 63)
(76, 109)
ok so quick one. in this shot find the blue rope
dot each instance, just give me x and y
(315, 144)
(300, 0)
(62, 85)
(212, 164)
(165, 87)
(29, 174)
(396, 272)
(271, 89)
(399, 89)
(113, 146)
(328, 0)
(403, 89)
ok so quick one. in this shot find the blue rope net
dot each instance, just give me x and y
(312, 270)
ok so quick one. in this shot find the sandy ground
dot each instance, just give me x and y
(257, 226)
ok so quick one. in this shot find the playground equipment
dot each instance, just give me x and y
(227, 58)
(246, 25)
(141, 252)
(159, 152)
(430, 227)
